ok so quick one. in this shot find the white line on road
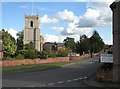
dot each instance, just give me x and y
(74, 79)
(80, 78)
(69, 81)
(60, 82)
(50, 84)
(42, 85)
(85, 77)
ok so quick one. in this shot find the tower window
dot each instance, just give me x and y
(31, 24)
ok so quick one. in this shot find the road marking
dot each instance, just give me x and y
(50, 84)
(60, 82)
(69, 80)
(43, 85)
(85, 77)
(74, 79)
(80, 78)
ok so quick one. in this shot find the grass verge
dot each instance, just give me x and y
(33, 67)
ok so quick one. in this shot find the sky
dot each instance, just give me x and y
(59, 20)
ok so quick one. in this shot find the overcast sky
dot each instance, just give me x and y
(59, 20)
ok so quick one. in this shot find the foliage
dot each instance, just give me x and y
(69, 43)
(19, 56)
(96, 42)
(51, 53)
(83, 45)
(63, 53)
(9, 45)
(21, 52)
(42, 55)
(20, 40)
(29, 46)
(31, 54)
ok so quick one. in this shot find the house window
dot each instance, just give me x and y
(31, 24)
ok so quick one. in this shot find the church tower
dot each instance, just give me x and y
(32, 31)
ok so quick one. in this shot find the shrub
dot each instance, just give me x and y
(62, 53)
(20, 56)
(21, 52)
(31, 54)
(42, 55)
(50, 54)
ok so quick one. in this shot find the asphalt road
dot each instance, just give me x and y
(67, 76)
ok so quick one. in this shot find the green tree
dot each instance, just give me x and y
(29, 46)
(69, 43)
(96, 42)
(9, 45)
(83, 45)
(20, 40)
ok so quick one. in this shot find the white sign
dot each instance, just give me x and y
(106, 58)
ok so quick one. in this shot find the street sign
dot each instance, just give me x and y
(106, 58)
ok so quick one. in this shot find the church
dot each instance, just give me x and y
(32, 32)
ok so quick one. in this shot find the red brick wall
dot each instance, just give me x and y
(33, 61)
(39, 61)
(79, 57)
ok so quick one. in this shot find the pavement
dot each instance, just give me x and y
(92, 81)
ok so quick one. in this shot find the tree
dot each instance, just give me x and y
(9, 45)
(69, 43)
(96, 42)
(83, 45)
(20, 40)
(29, 46)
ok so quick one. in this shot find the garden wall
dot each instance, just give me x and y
(33, 61)
(40, 61)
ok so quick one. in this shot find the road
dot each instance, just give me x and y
(67, 76)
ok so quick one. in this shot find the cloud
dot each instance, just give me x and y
(45, 9)
(24, 6)
(51, 38)
(108, 42)
(12, 32)
(58, 28)
(45, 19)
(59, 39)
(66, 15)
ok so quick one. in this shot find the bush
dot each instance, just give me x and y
(20, 56)
(31, 54)
(62, 53)
(20, 52)
(42, 55)
(50, 54)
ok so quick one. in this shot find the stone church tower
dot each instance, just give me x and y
(32, 31)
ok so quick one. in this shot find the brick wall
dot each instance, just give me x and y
(32, 61)
(40, 61)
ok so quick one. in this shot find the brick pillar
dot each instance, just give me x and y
(115, 6)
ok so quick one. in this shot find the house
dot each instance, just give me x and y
(53, 46)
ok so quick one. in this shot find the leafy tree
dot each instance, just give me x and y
(20, 40)
(83, 45)
(69, 43)
(9, 45)
(96, 42)
(29, 46)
